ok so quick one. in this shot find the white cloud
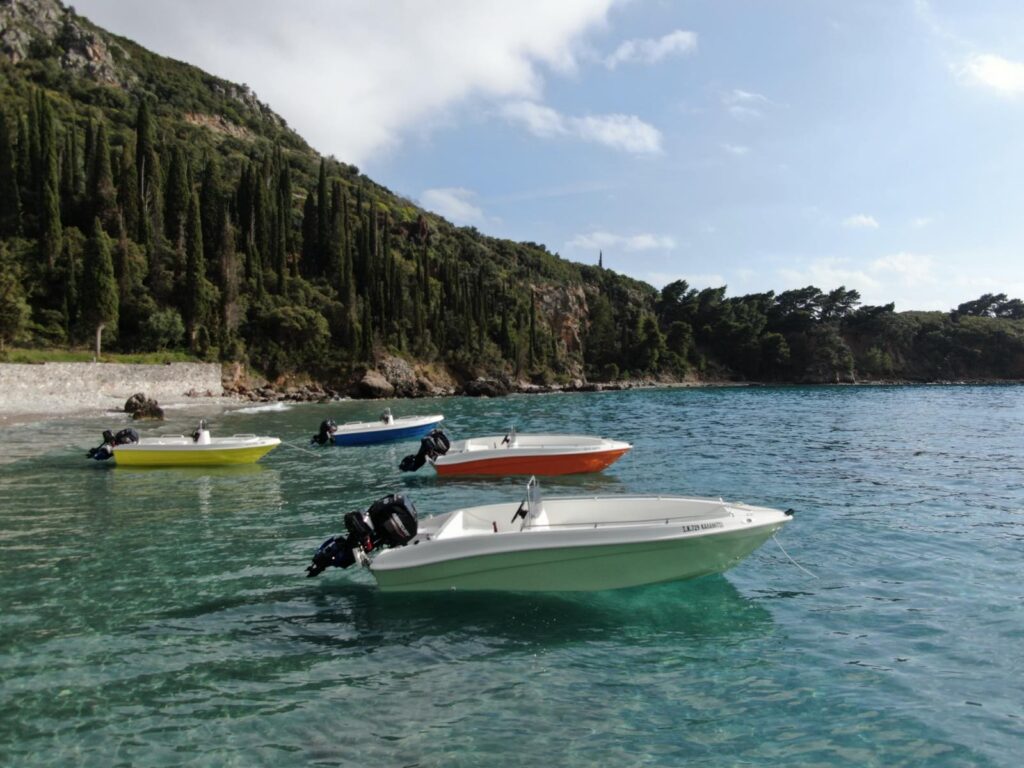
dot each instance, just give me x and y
(355, 77)
(745, 105)
(599, 240)
(860, 221)
(1004, 76)
(651, 51)
(454, 203)
(736, 149)
(920, 222)
(911, 280)
(911, 268)
(625, 132)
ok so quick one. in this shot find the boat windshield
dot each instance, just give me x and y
(534, 500)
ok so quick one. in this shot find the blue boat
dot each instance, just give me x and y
(387, 429)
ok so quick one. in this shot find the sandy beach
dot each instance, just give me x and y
(55, 390)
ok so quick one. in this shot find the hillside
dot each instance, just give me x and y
(177, 211)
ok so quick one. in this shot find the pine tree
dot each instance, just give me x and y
(99, 301)
(10, 197)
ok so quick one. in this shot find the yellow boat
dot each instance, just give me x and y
(197, 450)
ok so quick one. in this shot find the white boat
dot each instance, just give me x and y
(564, 544)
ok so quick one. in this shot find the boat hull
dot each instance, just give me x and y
(170, 456)
(581, 568)
(540, 465)
(385, 435)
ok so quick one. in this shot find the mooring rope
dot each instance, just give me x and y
(794, 562)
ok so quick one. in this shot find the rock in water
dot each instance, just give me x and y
(142, 407)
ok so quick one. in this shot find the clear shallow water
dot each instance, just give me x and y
(162, 617)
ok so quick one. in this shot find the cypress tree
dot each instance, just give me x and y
(210, 203)
(148, 176)
(101, 193)
(99, 302)
(10, 197)
(227, 281)
(25, 179)
(310, 230)
(177, 198)
(128, 192)
(70, 178)
(198, 298)
(323, 222)
(49, 184)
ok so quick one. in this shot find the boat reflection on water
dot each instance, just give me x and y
(706, 608)
(577, 484)
(220, 490)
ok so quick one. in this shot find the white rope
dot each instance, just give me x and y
(304, 450)
(794, 562)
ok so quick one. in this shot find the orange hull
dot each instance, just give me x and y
(566, 464)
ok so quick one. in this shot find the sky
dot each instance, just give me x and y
(876, 144)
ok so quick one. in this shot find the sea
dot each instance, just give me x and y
(162, 617)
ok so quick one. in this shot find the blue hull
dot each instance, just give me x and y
(378, 436)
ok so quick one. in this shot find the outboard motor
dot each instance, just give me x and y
(433, 445)
(388, 522)
(105, 450)
(326, 433)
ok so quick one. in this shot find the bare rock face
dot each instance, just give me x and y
(142, 407)
(374, 386)
(400, 375)
(565, 307)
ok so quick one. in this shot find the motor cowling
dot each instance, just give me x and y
(433, 445)
(326, 433)
(105, 450)
(388, 522)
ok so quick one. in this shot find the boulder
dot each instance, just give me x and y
(142, 407)
(374, 386)
(482, 387)
(400, 375)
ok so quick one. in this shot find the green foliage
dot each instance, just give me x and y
(99, 299)
(163, 330)
(14, 309)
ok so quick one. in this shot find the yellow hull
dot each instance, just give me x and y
(168, 456)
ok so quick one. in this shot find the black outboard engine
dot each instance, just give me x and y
(105, 450)
(326, 433)
(433, 445)
(389, 522)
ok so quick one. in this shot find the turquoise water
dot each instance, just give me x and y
(162, 617)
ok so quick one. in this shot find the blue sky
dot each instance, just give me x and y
(876, 144)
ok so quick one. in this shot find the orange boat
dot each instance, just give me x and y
(514, 454)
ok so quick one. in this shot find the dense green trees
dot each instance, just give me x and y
(119, 207)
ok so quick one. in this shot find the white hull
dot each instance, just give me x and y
(600, 543)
